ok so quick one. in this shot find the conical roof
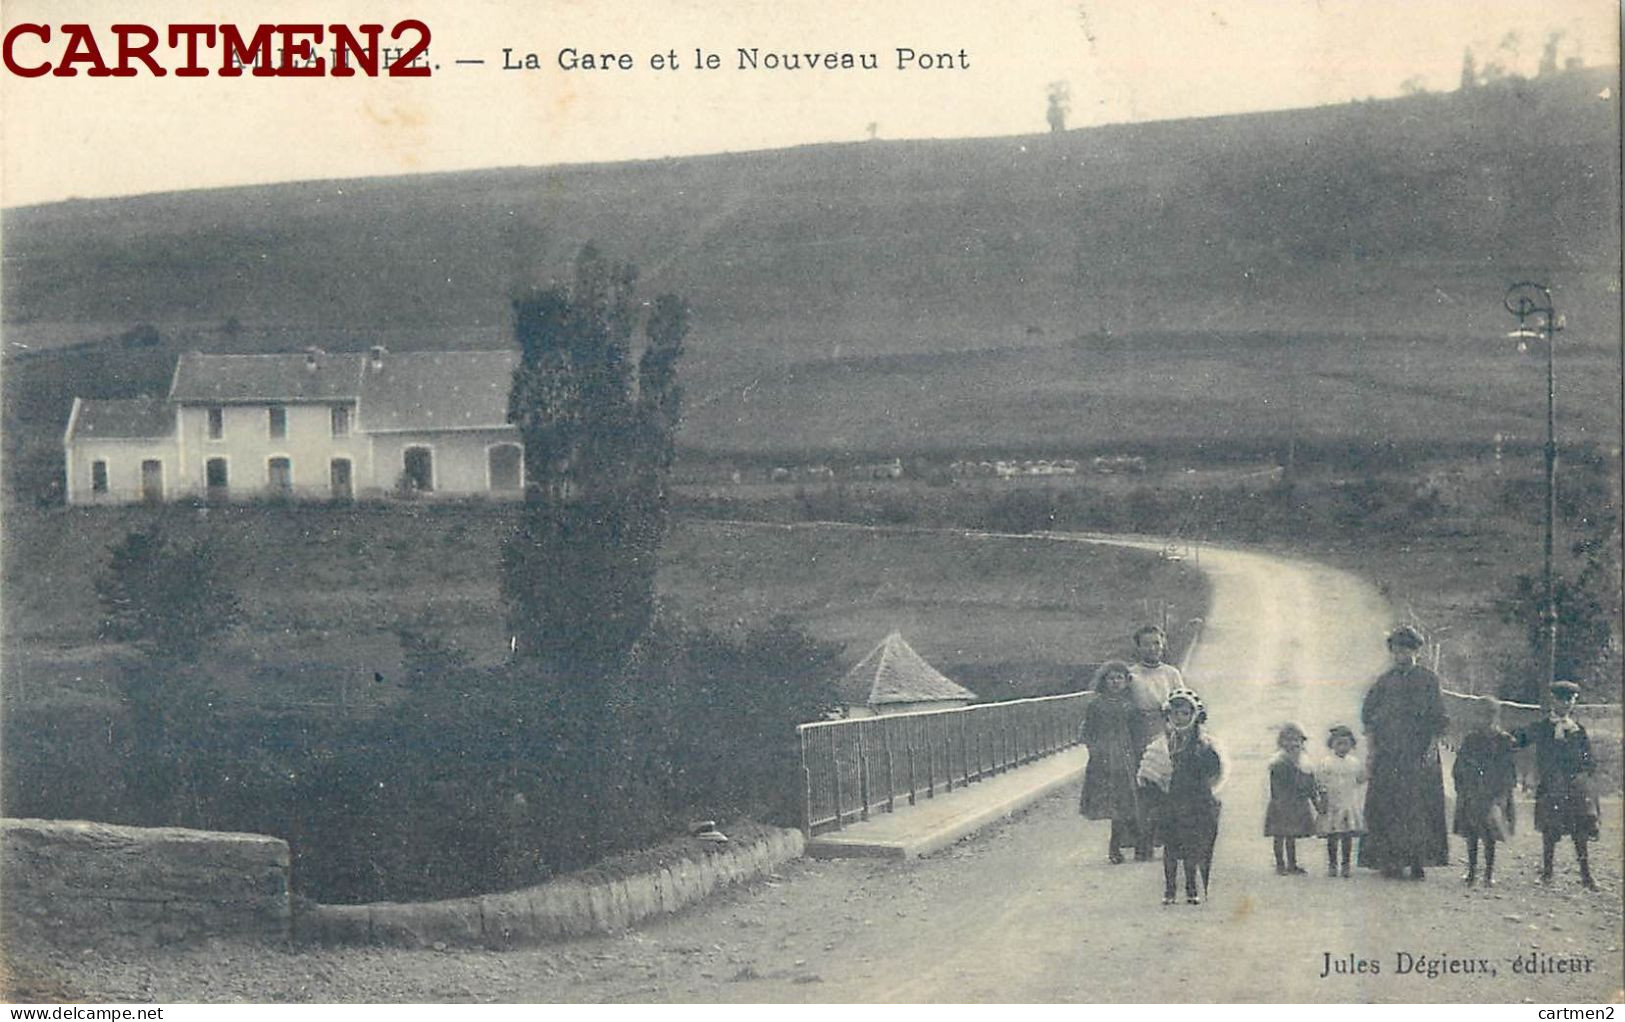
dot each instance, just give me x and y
(894, 673)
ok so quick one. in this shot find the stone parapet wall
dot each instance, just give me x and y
(72, 882)
(563, 908)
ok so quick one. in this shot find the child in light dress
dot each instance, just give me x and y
(1291, 813)
(1340, 784)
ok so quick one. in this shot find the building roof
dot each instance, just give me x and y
(141, 418)
(426, 390)
(227, 379)
(894, 673)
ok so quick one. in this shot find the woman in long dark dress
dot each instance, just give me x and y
(1111, 730)
(1404, 717)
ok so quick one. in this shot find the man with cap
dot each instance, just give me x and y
(1565, 802)
(1404, 717)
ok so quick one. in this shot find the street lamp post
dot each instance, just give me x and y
(1539, 321)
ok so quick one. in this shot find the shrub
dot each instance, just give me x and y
(485, 779)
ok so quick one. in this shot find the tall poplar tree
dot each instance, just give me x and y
(578, 571)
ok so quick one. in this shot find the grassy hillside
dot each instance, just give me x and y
(324, 590)
(1325, 273)
(885, 245)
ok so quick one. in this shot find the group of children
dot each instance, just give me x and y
(1153, 787)
(1327, 798)
(1160, 789)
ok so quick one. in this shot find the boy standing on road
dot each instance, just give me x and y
(1565, 802)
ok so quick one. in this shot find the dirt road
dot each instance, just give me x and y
(1031, 911)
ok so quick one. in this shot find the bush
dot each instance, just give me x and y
(474, 780)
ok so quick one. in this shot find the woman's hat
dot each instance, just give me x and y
(1564, 689)
(1340, 731)
(1407, 637)
(1291, 729)
(1189, 697)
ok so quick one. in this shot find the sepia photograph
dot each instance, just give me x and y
(679, 502)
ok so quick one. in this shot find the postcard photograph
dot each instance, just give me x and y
(1081, 501)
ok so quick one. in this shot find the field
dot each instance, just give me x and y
(1313, 291)
(325, 590)
(1333, 219)
(1193, 399)
(1217, 288)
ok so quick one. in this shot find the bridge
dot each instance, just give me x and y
(909, 784)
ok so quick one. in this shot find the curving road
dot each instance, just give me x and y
(1030, 910)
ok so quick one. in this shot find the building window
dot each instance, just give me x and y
(214, 477)
(217, 423)
(505, 464)
(341, 420)
(417, 474)
(279, 422)
(98, 477)
(279, 477)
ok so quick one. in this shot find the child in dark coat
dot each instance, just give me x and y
(1185, 767)
(1484, 775)
(1112, 731)
(1291, 812)
(1564, 801)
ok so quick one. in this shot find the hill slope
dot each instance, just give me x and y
(1402, 218)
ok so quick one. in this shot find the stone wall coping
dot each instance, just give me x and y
(566, 907)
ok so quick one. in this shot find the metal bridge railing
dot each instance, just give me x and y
(854, 767)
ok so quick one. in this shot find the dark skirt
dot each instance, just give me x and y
(1110, 791)
(1565, 805)
(1472, 817)
(1404, 813)
(1289, 817)
(1188, 829)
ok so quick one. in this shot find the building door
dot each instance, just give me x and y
(418, 474)
(339, 474)
(215, 479)
(504, 462)
(279, 477)
(152, 480)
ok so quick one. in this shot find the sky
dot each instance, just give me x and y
(1121, 61)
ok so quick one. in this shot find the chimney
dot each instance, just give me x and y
(375, 357)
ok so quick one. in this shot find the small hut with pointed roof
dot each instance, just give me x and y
(895, 679)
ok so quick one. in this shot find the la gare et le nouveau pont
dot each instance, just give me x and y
(745, 58)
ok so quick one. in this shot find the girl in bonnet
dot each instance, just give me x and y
(1185, 767)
